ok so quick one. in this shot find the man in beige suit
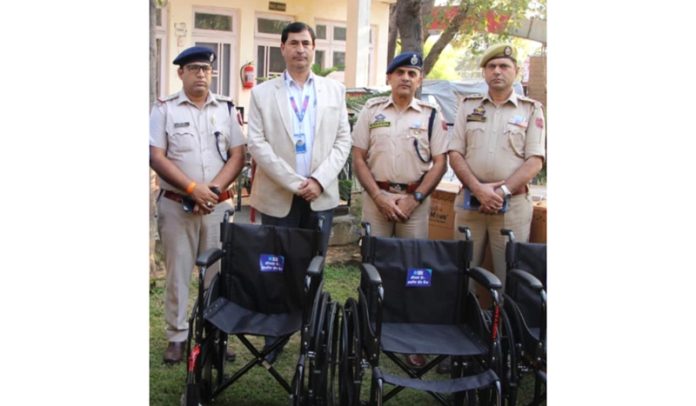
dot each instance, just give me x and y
(300, 139)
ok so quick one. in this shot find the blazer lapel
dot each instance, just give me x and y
(281, 96)
(321, 102)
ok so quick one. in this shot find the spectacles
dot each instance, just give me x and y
(198, 67)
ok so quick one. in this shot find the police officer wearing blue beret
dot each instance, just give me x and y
(399, 156)
(197, 149)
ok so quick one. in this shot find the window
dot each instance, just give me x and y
(269, 60)
(331, 45)
(160, 52)
(216, 22)
(215, 28)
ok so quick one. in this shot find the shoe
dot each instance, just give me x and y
(174, 353)
(444, 367)
(230, 356)
(416, 360)
(273, 356)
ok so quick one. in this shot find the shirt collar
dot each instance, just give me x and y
(414, 104)
(512, 99)
(210, 99)
(290, 81)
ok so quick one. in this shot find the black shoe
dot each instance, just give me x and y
(174, 352)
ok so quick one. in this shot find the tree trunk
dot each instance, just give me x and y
(408, 19)
(393, 33)
(426, 17)
(447, 35)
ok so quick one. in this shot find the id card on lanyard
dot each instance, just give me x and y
(300, 139)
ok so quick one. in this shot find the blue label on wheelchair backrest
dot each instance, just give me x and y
(271, 263)
(419, 277)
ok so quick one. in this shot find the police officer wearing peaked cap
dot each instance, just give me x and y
(194, 54)
(497, 147)
(399, 156)
(197, 149)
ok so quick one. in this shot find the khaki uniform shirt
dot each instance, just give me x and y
(187, 134)
(495, 141)
(388, 136)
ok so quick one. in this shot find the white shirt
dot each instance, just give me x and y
(306, 126)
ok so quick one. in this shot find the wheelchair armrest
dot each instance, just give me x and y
(209, 257)
(316, 267)
(372, 273)
(527, 278)
(485, 278)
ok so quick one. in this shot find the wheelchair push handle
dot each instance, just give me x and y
(466, 231)
(508, 232)
(366, 226)
(228, 213)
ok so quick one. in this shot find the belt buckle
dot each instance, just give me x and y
(395, 188)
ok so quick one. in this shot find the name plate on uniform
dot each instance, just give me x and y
(271, 263)
(419, 277)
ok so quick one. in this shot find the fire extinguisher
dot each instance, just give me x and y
(246, 74)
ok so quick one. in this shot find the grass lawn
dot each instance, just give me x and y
(258, 387)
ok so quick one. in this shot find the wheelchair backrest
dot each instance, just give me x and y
(263, 268)
(424, 281)
(530, 257)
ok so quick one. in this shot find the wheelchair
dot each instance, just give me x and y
(524, 317)
(270, 284)
(414, 298)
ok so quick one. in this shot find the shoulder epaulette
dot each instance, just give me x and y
(223, 98)
(528, 100)
(426, 104)
(167, 98)
(472, 96)
(376, 100)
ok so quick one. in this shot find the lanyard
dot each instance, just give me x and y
(300, 115)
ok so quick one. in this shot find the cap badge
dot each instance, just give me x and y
(507, 51)
(414, 59)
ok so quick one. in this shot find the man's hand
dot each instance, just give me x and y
(309, 189)
(386, 203)
(205, 199)
(407, 204)
(491, 201)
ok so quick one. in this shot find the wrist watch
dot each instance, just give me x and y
(419, 197)
(506, 191)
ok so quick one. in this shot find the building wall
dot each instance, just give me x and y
(244, 20)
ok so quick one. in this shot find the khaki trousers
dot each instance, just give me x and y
(184, 236)
(415, 227)
(486, 228)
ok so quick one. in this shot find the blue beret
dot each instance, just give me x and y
(194, 54)
(409, 59)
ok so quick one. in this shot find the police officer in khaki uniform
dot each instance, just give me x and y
(399, 156)
(496, 149)
(197, 149)
(395, 157)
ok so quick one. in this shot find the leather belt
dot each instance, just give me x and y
(398, 187)
(522, 190)
(179, 198)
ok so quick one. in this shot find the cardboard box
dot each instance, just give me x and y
(441, 220)
(537, 233)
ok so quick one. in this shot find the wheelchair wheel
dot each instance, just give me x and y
(350, 356)
(510, 363)
(210, 345)
(333, 329)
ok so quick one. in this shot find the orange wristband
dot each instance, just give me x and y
(190, 187)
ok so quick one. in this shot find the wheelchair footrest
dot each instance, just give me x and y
(465, 383)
